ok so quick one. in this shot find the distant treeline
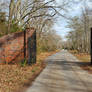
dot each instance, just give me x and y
(79, 36)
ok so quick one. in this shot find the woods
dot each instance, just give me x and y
(79, 36)
(17, 14)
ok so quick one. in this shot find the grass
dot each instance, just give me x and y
(13, 78)
(85, 59)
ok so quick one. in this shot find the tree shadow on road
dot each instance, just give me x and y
(67, 65)
(59, 73)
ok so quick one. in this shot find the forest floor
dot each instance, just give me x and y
(85, 58)
(14, 78)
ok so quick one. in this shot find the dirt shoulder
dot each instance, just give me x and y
(14, 78)
(84, 60)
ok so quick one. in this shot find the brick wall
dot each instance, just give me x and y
(12, 46)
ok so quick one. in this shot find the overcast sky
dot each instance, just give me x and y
(61, 23)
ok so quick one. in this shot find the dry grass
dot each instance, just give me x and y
(84, 59)
(14, 77)
(81, 56)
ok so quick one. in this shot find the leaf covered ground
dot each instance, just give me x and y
(13, 78)
(84, 59)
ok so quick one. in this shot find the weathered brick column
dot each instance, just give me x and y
(12, 46)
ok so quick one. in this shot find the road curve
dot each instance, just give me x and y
(62, 74)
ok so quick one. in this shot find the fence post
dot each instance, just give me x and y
(91, 44)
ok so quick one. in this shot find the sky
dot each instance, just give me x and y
(61, 23)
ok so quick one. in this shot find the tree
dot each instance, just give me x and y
(3, 24)
(79, 36)
(23, 11)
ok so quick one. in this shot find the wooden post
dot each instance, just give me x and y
(91, 45)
